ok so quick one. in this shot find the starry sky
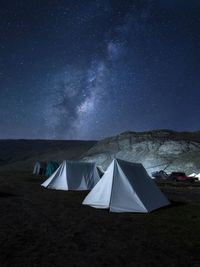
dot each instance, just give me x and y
(78, 69)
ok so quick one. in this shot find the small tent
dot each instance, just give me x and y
(126, 187)
(52, 166)
(39, 168)
(73, 175)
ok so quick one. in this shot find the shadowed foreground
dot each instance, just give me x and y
(40, 227)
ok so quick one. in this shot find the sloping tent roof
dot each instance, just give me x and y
(73, 175)
(39, 168)
(52, 166)
(126, 187)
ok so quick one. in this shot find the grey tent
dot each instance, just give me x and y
(126, 187)
(39, 168)
(100, 171)
(73, 175)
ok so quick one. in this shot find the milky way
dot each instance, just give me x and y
(78, 98)
(74, 70)
(74, 99)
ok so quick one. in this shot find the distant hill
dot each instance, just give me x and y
(174, 151)
(21, 154)
(163, 149)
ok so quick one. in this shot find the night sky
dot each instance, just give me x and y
(90, 69)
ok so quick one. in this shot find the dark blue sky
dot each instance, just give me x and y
(91, 69)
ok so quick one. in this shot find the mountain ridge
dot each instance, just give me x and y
(157, 149)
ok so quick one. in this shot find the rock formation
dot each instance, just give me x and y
(156, 150)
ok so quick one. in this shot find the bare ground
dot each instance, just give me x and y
(40, 227)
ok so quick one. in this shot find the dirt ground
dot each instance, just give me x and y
(40, 227)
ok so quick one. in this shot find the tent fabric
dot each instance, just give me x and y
(51, 167)
(198, 176)
(39, 168)
(73, 175)
(126, 187)
(100, 171)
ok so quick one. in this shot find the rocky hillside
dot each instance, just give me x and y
(156, 150)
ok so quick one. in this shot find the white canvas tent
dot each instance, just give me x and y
(73, 175)
(126, 187)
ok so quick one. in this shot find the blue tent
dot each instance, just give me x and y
(52, 166)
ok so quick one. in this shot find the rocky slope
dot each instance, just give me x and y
(164, 149)
(174, 151)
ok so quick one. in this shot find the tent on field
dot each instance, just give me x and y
(52, 166)
(73, 175)
(39, 168)
(126, 187)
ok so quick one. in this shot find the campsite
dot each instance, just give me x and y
(47, 227)
(100, 133)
